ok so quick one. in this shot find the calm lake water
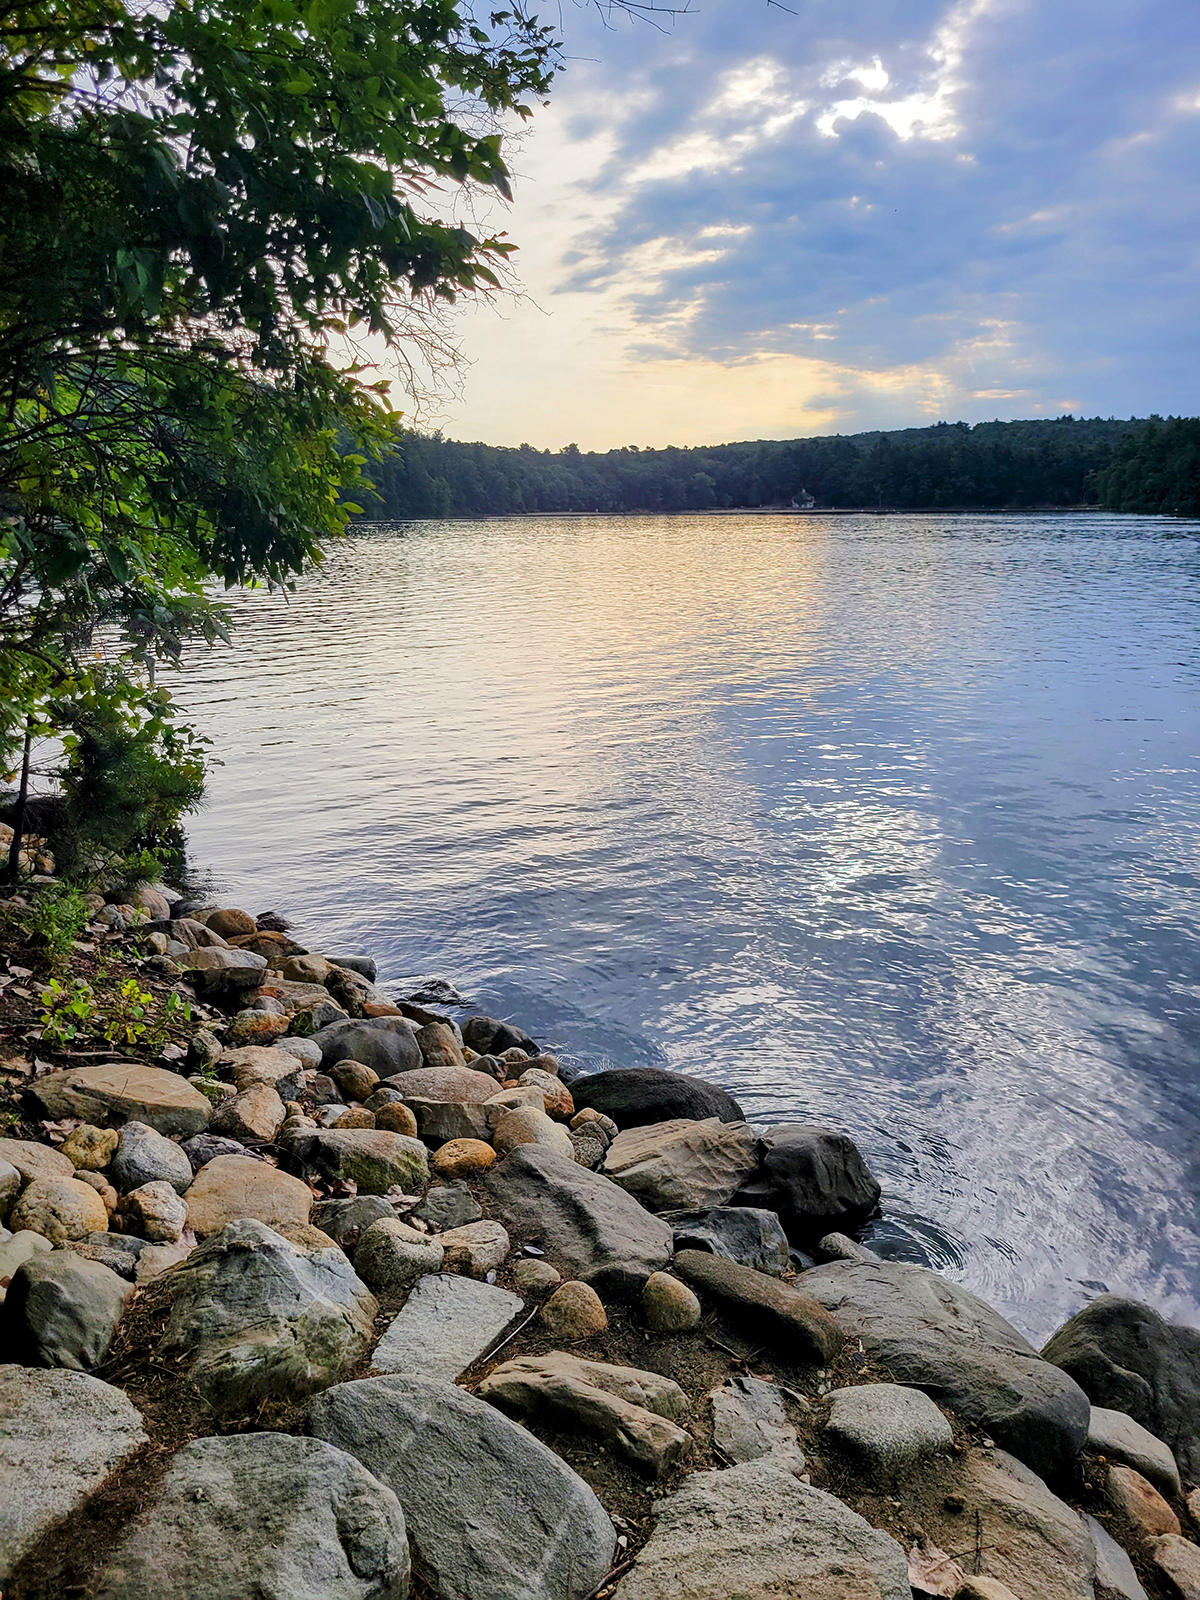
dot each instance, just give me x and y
(891, 823)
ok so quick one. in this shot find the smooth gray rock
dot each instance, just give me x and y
(888, 1426)
(205, 1147)
(756, 1532)
(61, 1434)
(749, 1421)
(385, 1044)
(588, 1226)
(146, 1156)
(263, 1514)
(62, 1310)
(1127, 1358)
(741, 1233)
(818, 1180)
(840, 1247)
(492, 1514)
(263, 1319)
(936, 1336)
(439, 1121)
(446, 1323)
(1114, 1569)
(1120, 1438)
(346, 1220)
(684, 1164)
(447, 1206)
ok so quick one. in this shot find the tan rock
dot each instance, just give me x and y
(444, 1083)
(668, 1305)
(1193, 1505)
(230, 1187)
(683, 1165)
(253, 1064)
(535, 1279)
(396, 1118)
(305, 969)
(1178, 1560)
(459, 1157)
(229, 923)
(376, 1008)
(1134, 1497)
(544, 1063)
(475, 1249)
(354, 1117)
(97, 1181)
(89, 1147)
(158, 1258)
(256, 1027)
(127, 1090)
(589, 1114)
(59, 1209)
(514, 1055)
(35, 1160)
(254, 1116)
(574, 1312)
(356, 1081)
(439, 1046)
(156, 1213)
(512, 1100)
(555, 1093)
(527, 1126)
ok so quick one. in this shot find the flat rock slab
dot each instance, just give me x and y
(230, 1188)
(683, 1164)
(933, 1335)
(741, 1233)
(1128, 1358)
(263, 1514)
(749, 1420)
(61, 1435)
(162, 1100)
(492, 1514)
(588, 1226)
(888, 1426)
(634, 1096)
(262, 1319)
(795, 1323)
(755, 1532)
(447, 1323)
(1116, 1435)
(605, 1400)
(460, 1085)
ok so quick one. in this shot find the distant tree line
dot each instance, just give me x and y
(1156, 469)
(1064, 462)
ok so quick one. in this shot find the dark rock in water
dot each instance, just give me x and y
(436, 992)
(755, 1238)
(492, 1038)
(448, 1206)
(635, 1096)
(62, 1310)
(818, 1181)
(272, 922)
(792, 1320)
(263, 1514)
(386, 1044)
(936, 1336)
(1126, 1357)
(584, 1222)
(205, 1147)
(345, 1220)
(363, 965)
(492, 1513)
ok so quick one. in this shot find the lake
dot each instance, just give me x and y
(886, 822)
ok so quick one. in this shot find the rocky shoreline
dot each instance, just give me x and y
(354, 1296)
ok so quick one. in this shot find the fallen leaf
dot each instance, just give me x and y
(58, 1131)
(934, 1572)
(20, 972)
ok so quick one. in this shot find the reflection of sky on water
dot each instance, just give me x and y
(892, 823)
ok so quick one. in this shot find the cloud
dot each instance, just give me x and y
(988, 207)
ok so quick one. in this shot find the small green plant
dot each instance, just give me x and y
(67, 1012)
(174, 1012)
(55, 920)
(124, 1020)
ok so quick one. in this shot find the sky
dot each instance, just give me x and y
(751, 222)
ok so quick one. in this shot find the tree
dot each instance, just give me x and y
(199, 198)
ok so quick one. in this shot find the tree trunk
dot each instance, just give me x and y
(18, 838)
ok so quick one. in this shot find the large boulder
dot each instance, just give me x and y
(492, 1514)
(935, 1335)
(741, 1233)
(385, 1044)
(682, 1165)
(590, 1228)
(145, 1156)
(127, 1090)
(61, 1435)
(228, 1188)
(262, 1514)
(792, 1321)
(756, 1532)
(633, 1096)
(1128, 1358)
(261, 1319)
(62, 1310)
(488, 1037)
(446, 1324)
(817, 1180)
(374, 1160)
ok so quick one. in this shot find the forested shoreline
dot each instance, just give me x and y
(1134, 464)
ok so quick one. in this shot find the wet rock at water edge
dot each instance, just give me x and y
(488, 1037)
(263, 1514)
(740, 1233)
(634, 1096)
(818, 1180)
(93, 1428)
(544, 1537)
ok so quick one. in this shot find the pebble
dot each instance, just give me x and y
(574, 1311)
(668, 1305)
(535, 1278)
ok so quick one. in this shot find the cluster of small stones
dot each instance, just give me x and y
(324, 1145)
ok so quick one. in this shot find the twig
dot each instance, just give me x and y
(612, 1574)
(738, 1355)
(510, 1337)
